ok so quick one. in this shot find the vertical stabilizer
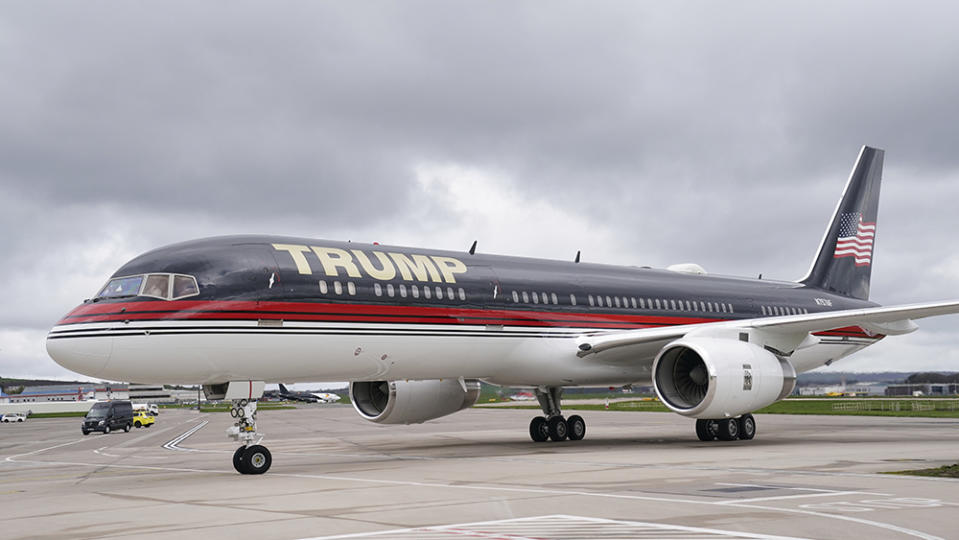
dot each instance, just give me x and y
(844, 262)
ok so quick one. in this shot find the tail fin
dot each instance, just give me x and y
(844, 262)
(283, 389)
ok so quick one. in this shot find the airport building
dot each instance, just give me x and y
(137, 393)
(149, 393)
(155, 393)
(923, 389)
(73, 392)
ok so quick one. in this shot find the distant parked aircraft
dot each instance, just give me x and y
(297, 396)
(326, 397)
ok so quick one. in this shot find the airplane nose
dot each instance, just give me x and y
(87, 355)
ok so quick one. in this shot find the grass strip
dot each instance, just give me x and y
(838, 407)
(946, 471)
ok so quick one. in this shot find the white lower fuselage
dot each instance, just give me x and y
(211, 351)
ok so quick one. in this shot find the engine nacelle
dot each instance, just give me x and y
(412, 402)
(719, 378)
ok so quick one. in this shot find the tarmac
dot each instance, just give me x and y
(476, 474)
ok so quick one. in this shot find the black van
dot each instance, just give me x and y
(106, 416)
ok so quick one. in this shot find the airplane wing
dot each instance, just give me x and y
(784, 333)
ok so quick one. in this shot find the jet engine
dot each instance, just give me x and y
(412, 402)
(713, 378)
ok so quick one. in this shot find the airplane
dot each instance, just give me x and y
(326, 397)
(296, 396)
(309, 397)
(416, 330)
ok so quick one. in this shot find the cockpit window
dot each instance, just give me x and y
(184, 286)
(157, 285)
(154, 285)
(125, 286)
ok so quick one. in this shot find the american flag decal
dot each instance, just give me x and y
(855, 239)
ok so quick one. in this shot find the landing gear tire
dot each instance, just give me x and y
(538, 430)
(257, 459)
(558, 429)
(576, 427)
(707, 430)
(729, 429)
(747, 427)
(238, 462)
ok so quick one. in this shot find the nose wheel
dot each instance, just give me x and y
(552, 426)
(255, 459)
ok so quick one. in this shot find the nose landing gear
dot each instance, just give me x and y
(249, 458)
(252, 457)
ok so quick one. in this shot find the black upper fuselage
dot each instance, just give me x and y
(276, 270)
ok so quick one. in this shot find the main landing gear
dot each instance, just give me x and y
(553, 427)
(249, 458)
(727, 429)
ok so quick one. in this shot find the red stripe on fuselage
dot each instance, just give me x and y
(311, 311)
(378, 313)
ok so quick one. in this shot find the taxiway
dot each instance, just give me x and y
(477, 474)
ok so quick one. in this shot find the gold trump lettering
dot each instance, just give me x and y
(420, 266)
(356, 263)
(331, 258)
(385, 273)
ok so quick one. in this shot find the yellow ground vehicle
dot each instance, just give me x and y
(143, 419)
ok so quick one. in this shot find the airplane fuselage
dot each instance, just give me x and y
(283, 309)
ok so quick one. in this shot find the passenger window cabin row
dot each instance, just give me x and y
(626, 302)
(783, 310)
(401, 290)
(428, 292)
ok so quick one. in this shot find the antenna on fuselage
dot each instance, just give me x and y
(473, 248)
(577, 257)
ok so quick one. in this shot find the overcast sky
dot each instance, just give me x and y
(639, 133)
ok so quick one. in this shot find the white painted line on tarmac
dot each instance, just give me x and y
(100, 451)
(887, 526)
(539, 527)
(12, 460)
(740, 504)
(173, 443)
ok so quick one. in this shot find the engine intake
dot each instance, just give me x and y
(719, 378)
(412, 402)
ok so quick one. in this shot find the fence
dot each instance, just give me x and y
(896, 405)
